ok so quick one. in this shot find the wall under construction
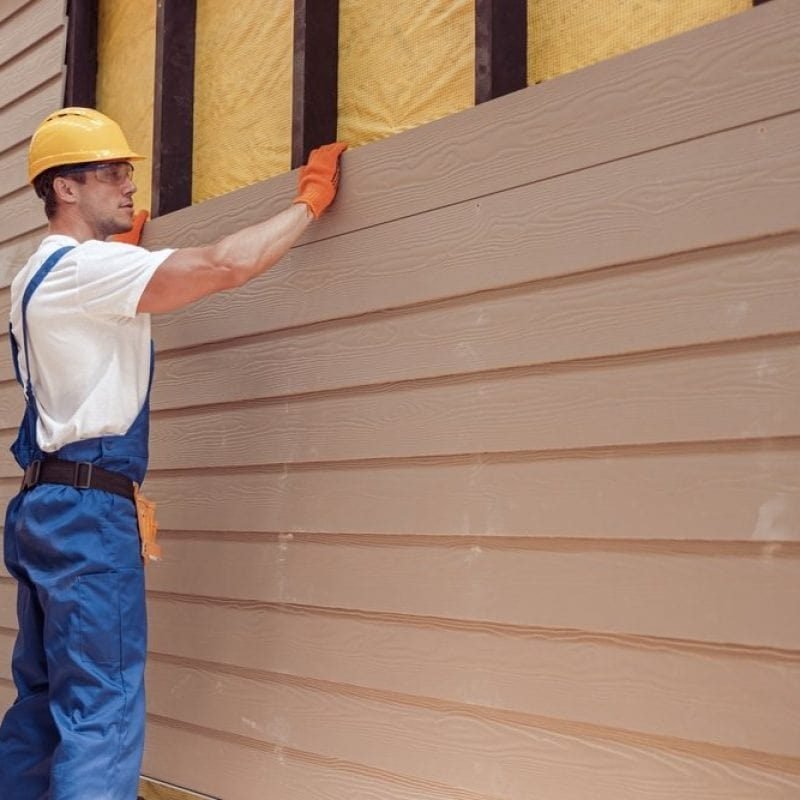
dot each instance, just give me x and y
(489, 489)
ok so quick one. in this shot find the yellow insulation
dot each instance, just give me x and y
(564, 35)
(243, 94)
(126, 49)
(402, 64)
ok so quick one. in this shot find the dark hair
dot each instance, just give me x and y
(43, 185)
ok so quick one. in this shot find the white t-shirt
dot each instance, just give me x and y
(89, 349)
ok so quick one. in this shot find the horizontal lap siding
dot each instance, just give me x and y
(32, 47)
(489, 490)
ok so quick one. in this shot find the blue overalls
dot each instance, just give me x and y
(76, 729)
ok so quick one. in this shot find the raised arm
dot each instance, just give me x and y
(191, 273)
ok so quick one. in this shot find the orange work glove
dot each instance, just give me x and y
(319, 178)
(134, 235)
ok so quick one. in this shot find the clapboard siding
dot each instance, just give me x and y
(32, 48)
(30, 24)
(40, 63)
(634, 683)
(733, 186)
(606, 494)
(734, 292)
(13, 172)
(490, 489)
(619, 590)
(13, 254)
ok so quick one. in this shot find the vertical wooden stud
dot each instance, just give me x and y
(315, 83)
(501, 48)
(81, 82)
(173, 106)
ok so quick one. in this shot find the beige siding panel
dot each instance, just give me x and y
(429, 740)
(10, 7)
(726, 75)
(620, 590)
(14, 169)
(8, 614)
(639, 493)
(734, 392)
(238, 768)
(20, 213)
(633, 683)
(33, 22)
(732, 186)
(41, 63)
(13, 255)
(738, 391)
(19, 120)
(244, 768)
(604, 494)
(731, 292)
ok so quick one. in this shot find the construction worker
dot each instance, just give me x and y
(80, 331)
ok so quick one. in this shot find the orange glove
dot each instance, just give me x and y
(319, 178)
(134, 235)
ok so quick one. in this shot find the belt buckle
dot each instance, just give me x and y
(76, 475)
(32, 474)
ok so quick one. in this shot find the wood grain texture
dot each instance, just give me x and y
(490, 489)
(608, 592)
(654, 686)
(721, 393)
(39, 64)
(13, 255)
(30, 24)
(728, 74)
(731, 186)
(731, 292)
(445, 743)
(641, 493)
(13, 169)
(22, 212)
(20, 119)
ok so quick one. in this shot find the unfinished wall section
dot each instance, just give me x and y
(490, 489)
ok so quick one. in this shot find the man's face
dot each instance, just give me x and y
(105, 198)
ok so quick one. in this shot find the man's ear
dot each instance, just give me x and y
(64, 190)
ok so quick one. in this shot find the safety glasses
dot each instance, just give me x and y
(115, 172)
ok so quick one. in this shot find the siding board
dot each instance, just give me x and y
(732, 186)
(20, 213)
(30, 24)
(732, 292)
(13, 255)
(721, 393)
(39, 64)
(19, 120)
(14, 174)
(603, 494)
(602, 591)
(430, 740)
(632, 683)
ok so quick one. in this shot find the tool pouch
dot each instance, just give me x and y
(148, 527)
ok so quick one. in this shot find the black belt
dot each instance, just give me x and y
(80, 474)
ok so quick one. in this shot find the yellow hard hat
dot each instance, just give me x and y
(76, 136)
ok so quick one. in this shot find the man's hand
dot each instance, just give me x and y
(134, 235)
(318, 181)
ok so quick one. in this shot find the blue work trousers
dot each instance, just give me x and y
(76, 730)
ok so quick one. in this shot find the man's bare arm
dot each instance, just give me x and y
(191, 273)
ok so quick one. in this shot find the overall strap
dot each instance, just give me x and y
(32, 286)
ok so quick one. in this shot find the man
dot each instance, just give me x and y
(80, 328)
